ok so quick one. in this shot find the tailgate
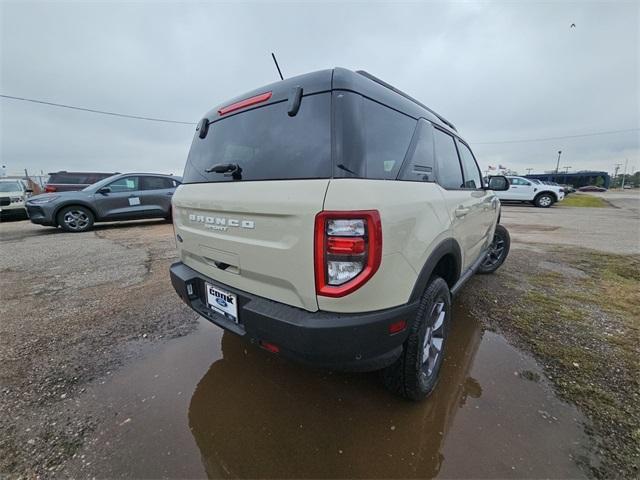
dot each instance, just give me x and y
(254, 236)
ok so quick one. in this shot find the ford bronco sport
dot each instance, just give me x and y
(330, 218)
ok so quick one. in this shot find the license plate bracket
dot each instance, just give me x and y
(223, 302)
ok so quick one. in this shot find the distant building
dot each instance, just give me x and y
(577, 179)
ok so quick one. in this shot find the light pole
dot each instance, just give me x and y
(529, 170)
(558, 163)
(626, 162)
(566, 168)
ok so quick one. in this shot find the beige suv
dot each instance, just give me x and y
(329, 218)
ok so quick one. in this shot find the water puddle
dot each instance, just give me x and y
(210, 405)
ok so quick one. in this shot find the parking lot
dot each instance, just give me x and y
(104, 372)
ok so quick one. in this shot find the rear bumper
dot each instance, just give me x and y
(358, 342)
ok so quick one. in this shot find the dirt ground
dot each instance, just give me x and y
(105, 373)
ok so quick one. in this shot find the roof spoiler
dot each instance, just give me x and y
(408, 97)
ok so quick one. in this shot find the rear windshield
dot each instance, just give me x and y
(267, 144)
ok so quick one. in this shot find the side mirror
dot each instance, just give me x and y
(104, 190)
(498, 183)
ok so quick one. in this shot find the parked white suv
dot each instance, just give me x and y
(533, 191)
(329, 218)
(13, 194)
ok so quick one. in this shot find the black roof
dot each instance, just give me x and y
(342, 79)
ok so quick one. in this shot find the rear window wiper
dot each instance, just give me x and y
(229, 170)
(342, 167)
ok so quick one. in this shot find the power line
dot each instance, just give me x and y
(102, 112)
(163, 120)
(610, 132)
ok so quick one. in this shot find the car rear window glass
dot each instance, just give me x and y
(469, 167)
(419, 165)
(449, 172)
(371, 139)
(156, 183)
(267, 144)
(387, 135)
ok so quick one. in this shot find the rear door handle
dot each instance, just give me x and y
(462, 211)
(169, 193)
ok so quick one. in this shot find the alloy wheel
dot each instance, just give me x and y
(496, 252)
(433, 339)
(76, 219)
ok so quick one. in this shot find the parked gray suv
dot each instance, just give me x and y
(126, 196)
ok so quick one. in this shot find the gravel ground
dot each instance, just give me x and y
(74, 308)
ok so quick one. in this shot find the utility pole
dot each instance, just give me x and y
(626, 162)
(566, 168)
(528, 170)
(615, 173)
(558, 163)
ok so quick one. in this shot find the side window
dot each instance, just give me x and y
(469, 167)
(125, 184)
(419, 165)
(386, 139)
(156, 183)
(449, 172)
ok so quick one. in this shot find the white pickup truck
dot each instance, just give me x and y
(525, 190)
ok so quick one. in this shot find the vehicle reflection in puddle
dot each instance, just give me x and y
(256, 415)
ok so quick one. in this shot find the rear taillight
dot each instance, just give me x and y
(50, 188)
(348, 250)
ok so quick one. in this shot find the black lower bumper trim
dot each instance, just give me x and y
(358, 342)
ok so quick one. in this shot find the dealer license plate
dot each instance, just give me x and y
(223, 302)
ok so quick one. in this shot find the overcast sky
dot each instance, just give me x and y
(500, 71)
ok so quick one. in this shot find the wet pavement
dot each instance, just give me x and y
(208, 404)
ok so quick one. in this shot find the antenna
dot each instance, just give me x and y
(273, 55)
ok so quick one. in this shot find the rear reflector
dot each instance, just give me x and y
(270, 347)
(263, 97)
(397, 327)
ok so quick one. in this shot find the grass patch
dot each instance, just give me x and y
(583, 200)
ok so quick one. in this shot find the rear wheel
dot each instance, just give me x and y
(544, 200)
(75, 218)
(415, 374)
(498, 251)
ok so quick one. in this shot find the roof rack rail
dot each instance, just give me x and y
(408, 97)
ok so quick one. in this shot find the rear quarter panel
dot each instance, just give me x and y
(414, 220)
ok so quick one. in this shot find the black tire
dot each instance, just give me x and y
(498, 251)
(544, 200)
(75, 218)
(410, 376)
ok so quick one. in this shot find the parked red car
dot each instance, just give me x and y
(64, 181)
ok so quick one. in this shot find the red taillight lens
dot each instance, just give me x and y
(345, 246)
(263, 97)
(270, 347)
(348, 250)
(50, 188)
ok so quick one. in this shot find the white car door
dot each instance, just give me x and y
(465, 206)
(520, 189)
